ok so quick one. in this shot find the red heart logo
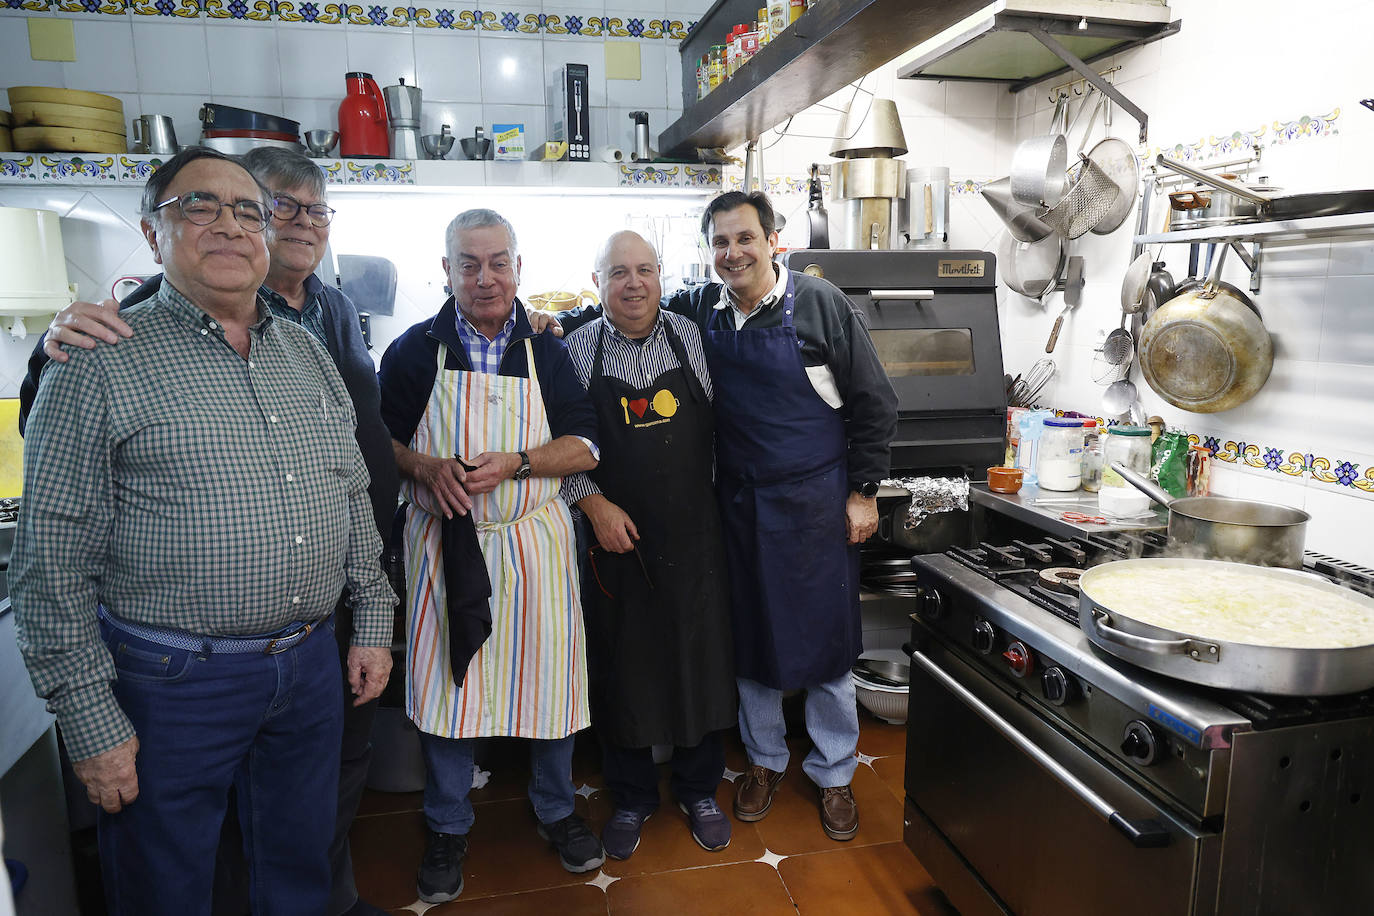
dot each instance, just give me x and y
(639, 405)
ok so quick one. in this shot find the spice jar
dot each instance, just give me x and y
(1059, 465)
(716, 66)
(1093, 459)
(1129, 445)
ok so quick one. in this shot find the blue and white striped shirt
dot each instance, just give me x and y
(634, 362)
(485, 355)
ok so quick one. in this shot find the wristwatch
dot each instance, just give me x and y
(523, 472)
(868, 489)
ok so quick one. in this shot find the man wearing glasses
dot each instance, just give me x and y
(195, 503)
(291, 292)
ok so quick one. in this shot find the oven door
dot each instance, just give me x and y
(1003, 832)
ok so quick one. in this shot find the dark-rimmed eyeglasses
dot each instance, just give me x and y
(285, 208)
(201, 208)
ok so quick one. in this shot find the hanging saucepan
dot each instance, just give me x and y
(1206, 350)
(1292, 206)
(1221, 528)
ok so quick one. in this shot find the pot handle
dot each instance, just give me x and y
(1195, 649)
(1143, 484)
(1143, 833)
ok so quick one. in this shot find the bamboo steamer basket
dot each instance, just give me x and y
(68, 140)
(52, 114)
(66, 97)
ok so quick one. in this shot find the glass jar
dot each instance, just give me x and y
(716, 66)
(1129, 445)
(1059, 465)
(1093, 459)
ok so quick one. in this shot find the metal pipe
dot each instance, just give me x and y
(1092, 76)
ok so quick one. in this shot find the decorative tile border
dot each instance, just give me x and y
(1242, 142)
(368, 171)
(1333, 471)
(704, 177)
(517, 22)
(75, 168)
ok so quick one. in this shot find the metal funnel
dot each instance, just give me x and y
(868, 131)
(1020, 220)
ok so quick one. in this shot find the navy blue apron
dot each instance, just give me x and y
(781, 454)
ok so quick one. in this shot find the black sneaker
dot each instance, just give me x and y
(620, 836)
(441, 870)
(577, 846)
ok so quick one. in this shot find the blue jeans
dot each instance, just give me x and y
(448, 780)
(269, 725)
(832, 721)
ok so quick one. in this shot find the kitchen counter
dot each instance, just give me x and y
(1045, 508)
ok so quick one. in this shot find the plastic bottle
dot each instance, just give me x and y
(761, 27)
(1032, 424)
(1059, 466)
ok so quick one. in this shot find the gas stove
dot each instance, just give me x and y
(9, 510)
(1228, 802)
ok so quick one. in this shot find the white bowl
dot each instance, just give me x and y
(886, 702)
(1123, 502)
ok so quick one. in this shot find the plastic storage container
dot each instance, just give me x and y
(1059, 465)
(1129, 445)
(1031, 425)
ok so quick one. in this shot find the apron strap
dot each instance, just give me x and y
(680, 351)
(596, 358)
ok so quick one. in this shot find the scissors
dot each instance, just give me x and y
(1084, 519)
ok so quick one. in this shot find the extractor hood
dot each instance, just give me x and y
(996, 44)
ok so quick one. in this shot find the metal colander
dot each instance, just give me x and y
(1088, 201)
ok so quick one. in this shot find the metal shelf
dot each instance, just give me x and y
(1273, 230)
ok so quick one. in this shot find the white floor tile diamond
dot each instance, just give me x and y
(419, 907)
(770, 857)
(866, 760)
(732, 775)
(603, 880)
(587, 791)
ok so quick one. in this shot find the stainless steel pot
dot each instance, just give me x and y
(1195, 658)
(1221, 528)
(1207, 350)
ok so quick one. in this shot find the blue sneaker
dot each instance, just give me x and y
(710, 826)
(620, 836)
(578, 848)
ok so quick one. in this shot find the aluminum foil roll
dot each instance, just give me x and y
(930, 496)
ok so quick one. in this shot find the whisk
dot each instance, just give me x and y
(1026, 388)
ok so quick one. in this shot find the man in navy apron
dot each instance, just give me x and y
(805, 416)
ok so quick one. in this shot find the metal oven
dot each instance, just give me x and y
(1046, 777)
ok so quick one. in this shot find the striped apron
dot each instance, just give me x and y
(529, 680)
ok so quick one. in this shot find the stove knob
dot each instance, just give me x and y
(984, 636)
(930, 604)
(1140, 743)
(1059, 688)
(1019, 659)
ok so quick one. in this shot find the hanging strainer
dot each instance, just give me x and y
(1089, 200)
(1119, 347)
(1117, 161)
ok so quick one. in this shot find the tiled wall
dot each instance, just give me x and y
(1305, 439)
(169, 57)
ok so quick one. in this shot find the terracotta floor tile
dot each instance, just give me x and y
(506, 854)
(390, 802)
(581, 900)
(880, 739)
(748, 887)
(870, 879)
(892, 772)
(793, 825)
(666, 842)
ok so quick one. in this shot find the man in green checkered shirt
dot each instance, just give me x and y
(195, 502)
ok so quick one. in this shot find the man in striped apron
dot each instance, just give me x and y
(486, 418)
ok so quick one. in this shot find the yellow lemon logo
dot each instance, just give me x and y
(665, 405)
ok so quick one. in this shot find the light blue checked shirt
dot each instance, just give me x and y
(485, 355)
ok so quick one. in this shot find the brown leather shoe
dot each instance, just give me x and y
(839, 813)
(754, 793)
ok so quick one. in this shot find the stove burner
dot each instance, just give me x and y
(1061, 579)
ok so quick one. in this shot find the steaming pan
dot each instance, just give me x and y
(1198, 659)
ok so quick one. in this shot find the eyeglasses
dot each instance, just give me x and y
(202, 208)
(285, 209)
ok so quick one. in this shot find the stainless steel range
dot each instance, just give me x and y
(1046, 777)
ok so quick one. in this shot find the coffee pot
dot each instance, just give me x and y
(362, 119)
(403, 114)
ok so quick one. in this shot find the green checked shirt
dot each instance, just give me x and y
(183, 486)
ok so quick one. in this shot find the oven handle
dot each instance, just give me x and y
(878, 295)
(1145, 833)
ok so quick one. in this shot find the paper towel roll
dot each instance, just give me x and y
(610, 154)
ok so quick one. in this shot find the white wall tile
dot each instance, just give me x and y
(385, 53)
(243, 61)
(447, 67)
(313, 114)
(589, 51)
(920, 98)
(651, 89)
(17, 67)
(512, 72)
(972, 100)
(461, 117)
(1347, 334)
(104, 57)
(172, 57)
(1340, 525)
(972, 142)
(1352, 254)
(301, 51)
(1292, 308)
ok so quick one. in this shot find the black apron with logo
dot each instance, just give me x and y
(660, 657)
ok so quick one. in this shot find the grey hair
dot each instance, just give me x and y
(156, 188)
(281, 169)
(603, 255)
(477, 219)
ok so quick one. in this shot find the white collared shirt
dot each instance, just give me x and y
(822, 379)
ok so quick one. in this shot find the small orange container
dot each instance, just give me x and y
(1005, 480)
